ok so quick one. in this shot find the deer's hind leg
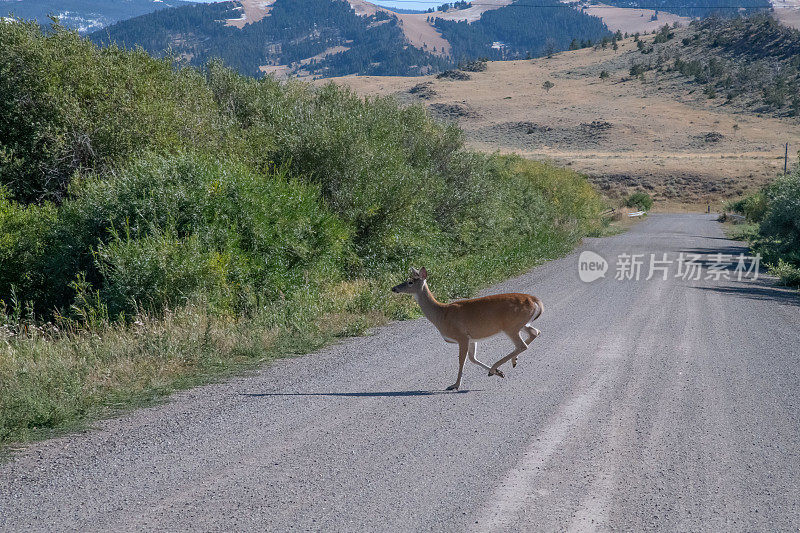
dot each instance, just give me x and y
(520, 347)
(532, 334)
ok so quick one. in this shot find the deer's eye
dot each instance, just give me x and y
(410, 282)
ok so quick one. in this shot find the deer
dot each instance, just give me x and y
(464, 322)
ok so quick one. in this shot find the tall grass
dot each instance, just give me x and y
(160, 227)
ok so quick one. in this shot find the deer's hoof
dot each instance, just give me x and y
(495, 372)
(513, 363)
(454, 386)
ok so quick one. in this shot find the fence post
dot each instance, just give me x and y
(786, 159)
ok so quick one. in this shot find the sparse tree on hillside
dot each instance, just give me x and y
(548, 85)
(550, 47)
(604, 75)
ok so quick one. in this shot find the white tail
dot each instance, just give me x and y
(465, 321)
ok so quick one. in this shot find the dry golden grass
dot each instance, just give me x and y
(629, 20)
(686, 150)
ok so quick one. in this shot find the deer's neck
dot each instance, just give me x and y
(428, 304)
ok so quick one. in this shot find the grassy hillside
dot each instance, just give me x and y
(161, 226)
(750, 63)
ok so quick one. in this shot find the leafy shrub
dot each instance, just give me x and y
(163, 229)
(753, 207)
(24, 238)
(381, 168)
(191, 225)
(776, 212)
(640, 200)
(237, 190)
(781, 223)
(788, 273)
(69, 106)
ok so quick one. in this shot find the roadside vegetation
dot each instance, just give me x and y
(640, 200)
(772, 225)
(162, 227)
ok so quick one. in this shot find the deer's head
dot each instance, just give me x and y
(414, 283)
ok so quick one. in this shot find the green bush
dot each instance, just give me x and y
(144, 234)
(639, 200)
(24, 239)
(238, 236)
(781, 223)
(68, 106)
(381, 168)
(776, 212)
(788, 273)
(753, 207)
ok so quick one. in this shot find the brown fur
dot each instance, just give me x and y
(477, 318)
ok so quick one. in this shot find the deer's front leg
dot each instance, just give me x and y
(463, 346)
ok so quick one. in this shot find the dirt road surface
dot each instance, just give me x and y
(644, 405)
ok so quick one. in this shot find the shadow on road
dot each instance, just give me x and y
(365, 394)
(717, 239)
(713, 250)
(757, 291)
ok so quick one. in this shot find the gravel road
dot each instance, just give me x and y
(644, 405)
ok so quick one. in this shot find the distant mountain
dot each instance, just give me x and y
(337, 37)
(83, 15)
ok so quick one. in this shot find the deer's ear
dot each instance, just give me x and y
(423, 273)
(414, 271)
